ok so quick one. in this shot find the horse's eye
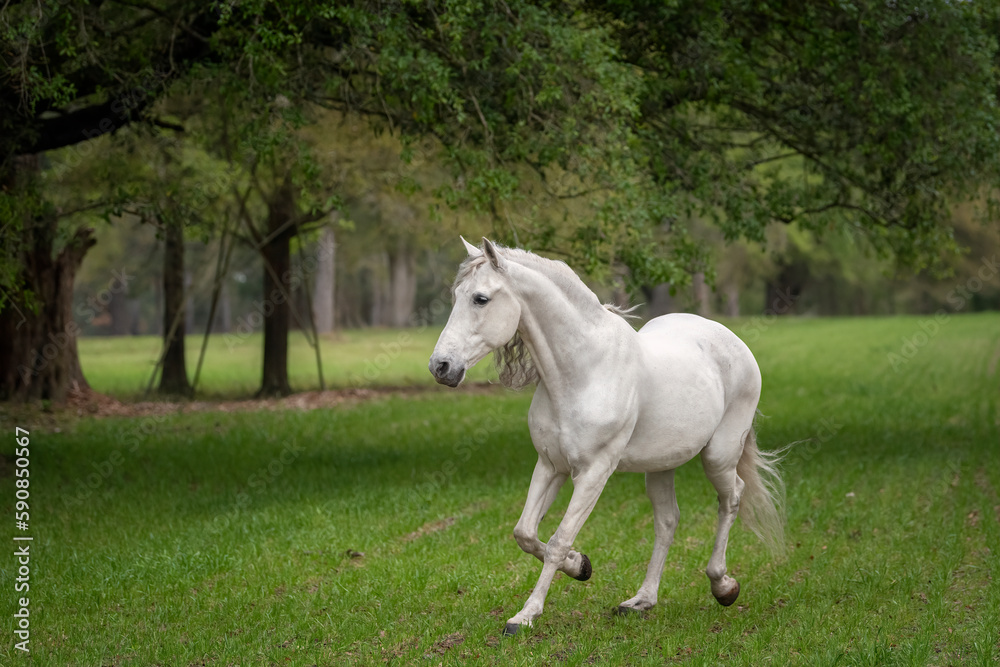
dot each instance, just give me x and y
(480, 299)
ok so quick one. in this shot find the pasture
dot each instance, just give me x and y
(380, 531)
(121, 367)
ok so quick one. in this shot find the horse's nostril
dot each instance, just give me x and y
(442, 369)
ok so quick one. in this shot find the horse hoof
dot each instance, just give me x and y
(511, 629)
(730, 597)
(585, 569)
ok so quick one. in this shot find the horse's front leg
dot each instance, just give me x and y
(587, 487)
(545, 485)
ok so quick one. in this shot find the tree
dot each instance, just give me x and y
(867, 114)
(498, 84)
(259, 140)
(324, 291)
(57, 90)
(38, 359)
(877, 115)
(173, 374)
(390, 206)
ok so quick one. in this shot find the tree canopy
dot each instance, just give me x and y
(870, 113)
(875, 114)
(603, 132)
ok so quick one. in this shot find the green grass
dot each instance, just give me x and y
(121, 366)
(223, 539)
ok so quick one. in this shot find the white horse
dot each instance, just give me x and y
(610, 398)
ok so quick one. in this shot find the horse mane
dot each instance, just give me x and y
(624, 313)
(514, 365)
(513, 361)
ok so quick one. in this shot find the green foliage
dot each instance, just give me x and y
(22, 208)
(871, 114)
(11, 214)
(568, 124)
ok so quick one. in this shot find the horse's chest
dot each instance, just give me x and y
(546, 434)
(573, 435)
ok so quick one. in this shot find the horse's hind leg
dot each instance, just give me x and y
(660, 489)
(719, 459)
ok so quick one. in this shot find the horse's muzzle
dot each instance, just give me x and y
(446, 371)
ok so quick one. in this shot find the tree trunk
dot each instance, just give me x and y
(658, 300)
(402, 286)
(120, 313)
(277, 256)
(323, 294)
(380, 292)
(224, 320)
(782, 292)
(702, 294)
(732, 292)
(174, 379)
(38, 352)
(159, 310)
(778, 300)
(187, 324)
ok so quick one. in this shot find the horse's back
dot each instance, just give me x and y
(682, 339)
(693, 370)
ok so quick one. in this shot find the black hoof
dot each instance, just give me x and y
(511, 629)
(621, 610)
(585, 569)
(730, 597)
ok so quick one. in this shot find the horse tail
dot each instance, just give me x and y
(761, 505)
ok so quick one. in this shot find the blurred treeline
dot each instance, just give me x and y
(388, 249)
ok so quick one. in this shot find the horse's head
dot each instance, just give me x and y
(484, 317)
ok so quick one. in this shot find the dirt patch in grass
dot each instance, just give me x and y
(447, 643)
(442, 524)
(399, 650)
(428, 528)
(89, 403)
(991, 367)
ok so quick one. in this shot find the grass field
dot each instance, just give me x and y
(381, 531)
(121, 366)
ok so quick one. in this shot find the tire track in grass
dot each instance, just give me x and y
(991, 367)
(438, 525)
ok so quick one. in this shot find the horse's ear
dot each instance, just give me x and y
(471, 249)
(495, 259)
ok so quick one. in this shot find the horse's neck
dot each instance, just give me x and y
(563, 330)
